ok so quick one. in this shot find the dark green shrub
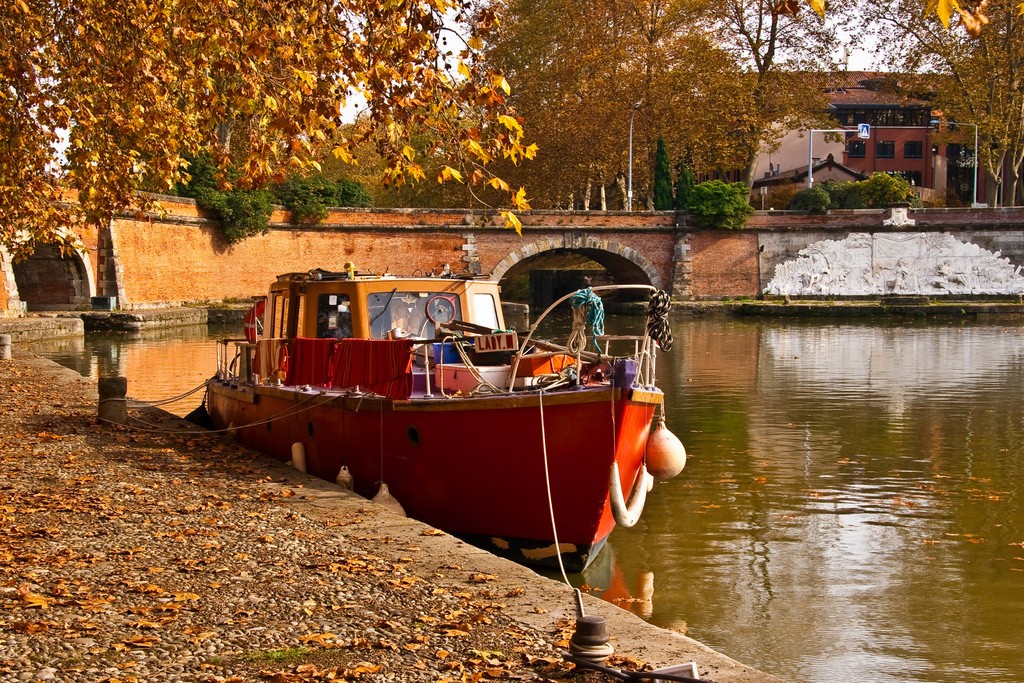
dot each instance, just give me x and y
(307, 197)
(351, 193)
(722, 205)
(845, 195)
(242, 212)
(812, 200)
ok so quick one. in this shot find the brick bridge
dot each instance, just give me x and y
(178, 257)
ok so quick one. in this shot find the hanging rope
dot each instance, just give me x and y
(657, 319)
(586, 306)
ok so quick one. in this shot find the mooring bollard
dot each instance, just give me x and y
(113, 403)
(5, 347)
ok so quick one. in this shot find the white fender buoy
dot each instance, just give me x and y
(299, 456)
(666, 456)
(628, 515)
(385, 498)
(344, 479)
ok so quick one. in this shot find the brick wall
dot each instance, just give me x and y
(179, 257)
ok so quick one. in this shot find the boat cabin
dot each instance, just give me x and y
(322, 304)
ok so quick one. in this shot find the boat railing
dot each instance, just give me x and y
(643, 349)
(234, 359)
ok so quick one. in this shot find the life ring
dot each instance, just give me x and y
(253, 321)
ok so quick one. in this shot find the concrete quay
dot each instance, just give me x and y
(161, 552)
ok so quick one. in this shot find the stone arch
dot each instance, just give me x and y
(51, 280)
(589, 245)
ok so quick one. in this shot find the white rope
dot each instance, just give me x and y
(551, 506)
(140, 403)
(578, 338)
(288, 412)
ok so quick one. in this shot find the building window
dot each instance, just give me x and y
(856, 149)
(913, 149)
(885, 149)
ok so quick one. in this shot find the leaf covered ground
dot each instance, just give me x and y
(132, 555)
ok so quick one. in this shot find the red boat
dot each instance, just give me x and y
(413, 387)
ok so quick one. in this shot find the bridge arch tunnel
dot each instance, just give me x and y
(543, 276)
(49, 280)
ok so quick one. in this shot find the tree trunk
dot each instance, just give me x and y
(586, 194)
(604, 199)
(620, 180)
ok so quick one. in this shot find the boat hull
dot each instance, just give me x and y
(472, 466)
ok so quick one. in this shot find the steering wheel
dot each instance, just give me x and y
(441, 309)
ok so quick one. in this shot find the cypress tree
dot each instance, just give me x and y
(684, 185)
(662, 178)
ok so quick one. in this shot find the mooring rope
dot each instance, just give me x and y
(657, 319)
(140, 403)
(585, 305)
(551, 506)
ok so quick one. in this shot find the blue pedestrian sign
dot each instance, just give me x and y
(864, 131)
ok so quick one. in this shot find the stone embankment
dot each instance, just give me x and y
(164, 553)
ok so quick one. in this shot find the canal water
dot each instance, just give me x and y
(851, 508)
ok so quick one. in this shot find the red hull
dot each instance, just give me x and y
(471, 466)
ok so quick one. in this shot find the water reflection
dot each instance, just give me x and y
(852, 505)
(159, 363)
(851, 502)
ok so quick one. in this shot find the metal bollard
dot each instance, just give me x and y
(5, 347)
(113, 406)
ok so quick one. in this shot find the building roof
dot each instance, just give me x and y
(799, 174)
(877, 89)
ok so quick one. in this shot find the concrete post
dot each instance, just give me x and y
(113, 406)
(5, 347)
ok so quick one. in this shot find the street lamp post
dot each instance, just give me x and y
(629, 189)
(810, 149)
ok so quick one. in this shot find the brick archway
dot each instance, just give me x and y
(580, 243)
(51, 280)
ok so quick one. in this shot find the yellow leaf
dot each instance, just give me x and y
(449, 173)
(512, 221)
(520, 201)
(464, 70)
(408, 152)
(502, 84)
(944, 9)
(476, 43)
(498, 184)
(818, 6)
(510, 123)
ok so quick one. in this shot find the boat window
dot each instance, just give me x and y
(333, 316)
(408, 314)
(484, 311)
(278, 330)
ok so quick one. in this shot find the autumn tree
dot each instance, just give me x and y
(787, 51)
(100, 98)
(976, 80)
(583, 70)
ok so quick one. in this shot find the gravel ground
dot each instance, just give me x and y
(130, 555)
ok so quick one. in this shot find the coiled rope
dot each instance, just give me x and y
(657, 319)
(587, 307)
